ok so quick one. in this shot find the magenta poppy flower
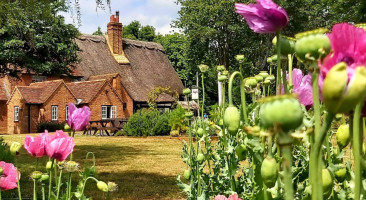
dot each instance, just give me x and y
(8, 179)
(231, 197)
(59, 146)
(302, 87)
(78, 118)
(36, 146)
(343, 72)
(263, 17)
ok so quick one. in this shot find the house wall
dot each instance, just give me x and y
(3, 117)
(122, 92)
(105, 98)
(17, 127)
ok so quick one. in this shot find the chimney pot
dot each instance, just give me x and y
(117, 16)
(112, 19)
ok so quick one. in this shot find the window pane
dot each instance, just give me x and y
(114, 112)
(54, 113)
(67, 112)
(104, 112)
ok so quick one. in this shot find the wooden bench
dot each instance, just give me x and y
(107, 126)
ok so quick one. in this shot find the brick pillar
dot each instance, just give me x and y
(114, 31)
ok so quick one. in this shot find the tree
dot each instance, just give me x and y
(98, 31)
(147, 33)
(34, 37)
(132, 30)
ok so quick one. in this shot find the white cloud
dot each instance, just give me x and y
(157, 13)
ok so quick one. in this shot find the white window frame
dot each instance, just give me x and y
(104, 112)
(113, 112)
(16, 113)
(67, 112)
(54, 113)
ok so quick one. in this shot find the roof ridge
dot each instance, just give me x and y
(97, 80)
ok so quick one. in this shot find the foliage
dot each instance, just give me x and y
(34, 36)
(157, 91)
(177, 119)
(50, 126)
(5, 154)
(147, 122)
(136, 31)
(98, 31)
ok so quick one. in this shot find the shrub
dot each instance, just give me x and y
(147, 122)
(177, 119)
(5, 154)
(50, 126)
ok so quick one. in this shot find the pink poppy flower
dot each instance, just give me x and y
(231, 197)
(36, 146)
(263, 17)
(343, 72)
(8, 179)
(220, 197)
(59, 146)
(78, 118)
(302, 87)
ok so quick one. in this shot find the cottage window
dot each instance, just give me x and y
(16, 113)
(67, 112)
(109, 112)
(54, 113)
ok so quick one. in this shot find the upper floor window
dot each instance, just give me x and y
(54, 113)
(16, 113)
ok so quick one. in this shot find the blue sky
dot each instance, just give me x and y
(158, 13)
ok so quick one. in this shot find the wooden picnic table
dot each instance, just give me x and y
(107, 126)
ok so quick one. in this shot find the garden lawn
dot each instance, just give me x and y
(144, 168)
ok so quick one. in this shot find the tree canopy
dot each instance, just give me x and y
(136, 31)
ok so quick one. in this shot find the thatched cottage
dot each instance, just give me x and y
(114, 77)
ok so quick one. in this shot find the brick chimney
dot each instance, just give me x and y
(114, 32)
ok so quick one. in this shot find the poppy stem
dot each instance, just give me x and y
(357, 149)
(0, 194)
(278, 78)
(50, 182)
(59, 184)
(34, 190)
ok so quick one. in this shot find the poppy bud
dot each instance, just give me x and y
(102, 186)
(287, 44)
(251, 82)
(71, 166)
(327, 180)
(112, 187)
(200, 132)
(308, 44)
(269, 171)
(1, 171)
(225, 73)
(263, 74)
(203, 68)
(271, 77)
(186, 91)
(343, 136)
(241, 151)
(220, 68)
(240, 58)
(36, 175)
(272, 59)
(67, 128)
(188, 114)
(187, 174)
(266, 82)
(44, 177)
(14, 148)
(200, 158)
(232, 119)
(340, 174)
(49, 165)
(341, 95)
(222, 78)
(258, 78)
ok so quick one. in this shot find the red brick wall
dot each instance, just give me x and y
(105, 98)
(20, 126)
(3, 117)
(122, 92)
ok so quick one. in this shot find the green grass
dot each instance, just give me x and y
(144, 168)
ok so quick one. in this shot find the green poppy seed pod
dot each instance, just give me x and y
(36, 175)
(240, 58)
(271, 77)
(343, 135)
(241, 151)
(45, 177)
(272, 59)
(232, 119)
(341, 95)
(67, 128)
(200, 132)
(102, 186)
(186, 91)
(14, 148)
(225, 73)
(220, 68)
(222, 78)
(281, 112)
(362, 25)
(263, 74)
(112, 187)
(203, 68)
(287, 44)
(188, 114)
(221, 122)
(266, 82)
(187, 174)
(258, 78)
(251, 82)
(328, 183)
(71, 166)
(1, 170)
(341, 173)
(309, 43)
(200, 158)
(269, 171)
(49, 165)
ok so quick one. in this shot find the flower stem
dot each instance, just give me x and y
(287, 176)
(278, 78)
(43, 193)
(290, 62)
(34, 190)
(82, 190)
(59, 184)
(0, 194)
(357, 149)
(203, 94)
(69, 187)
(19, 193)
(242, 94)
(50, 182)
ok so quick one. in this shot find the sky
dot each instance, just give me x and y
(157, 13)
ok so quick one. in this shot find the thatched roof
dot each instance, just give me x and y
(149, 67)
